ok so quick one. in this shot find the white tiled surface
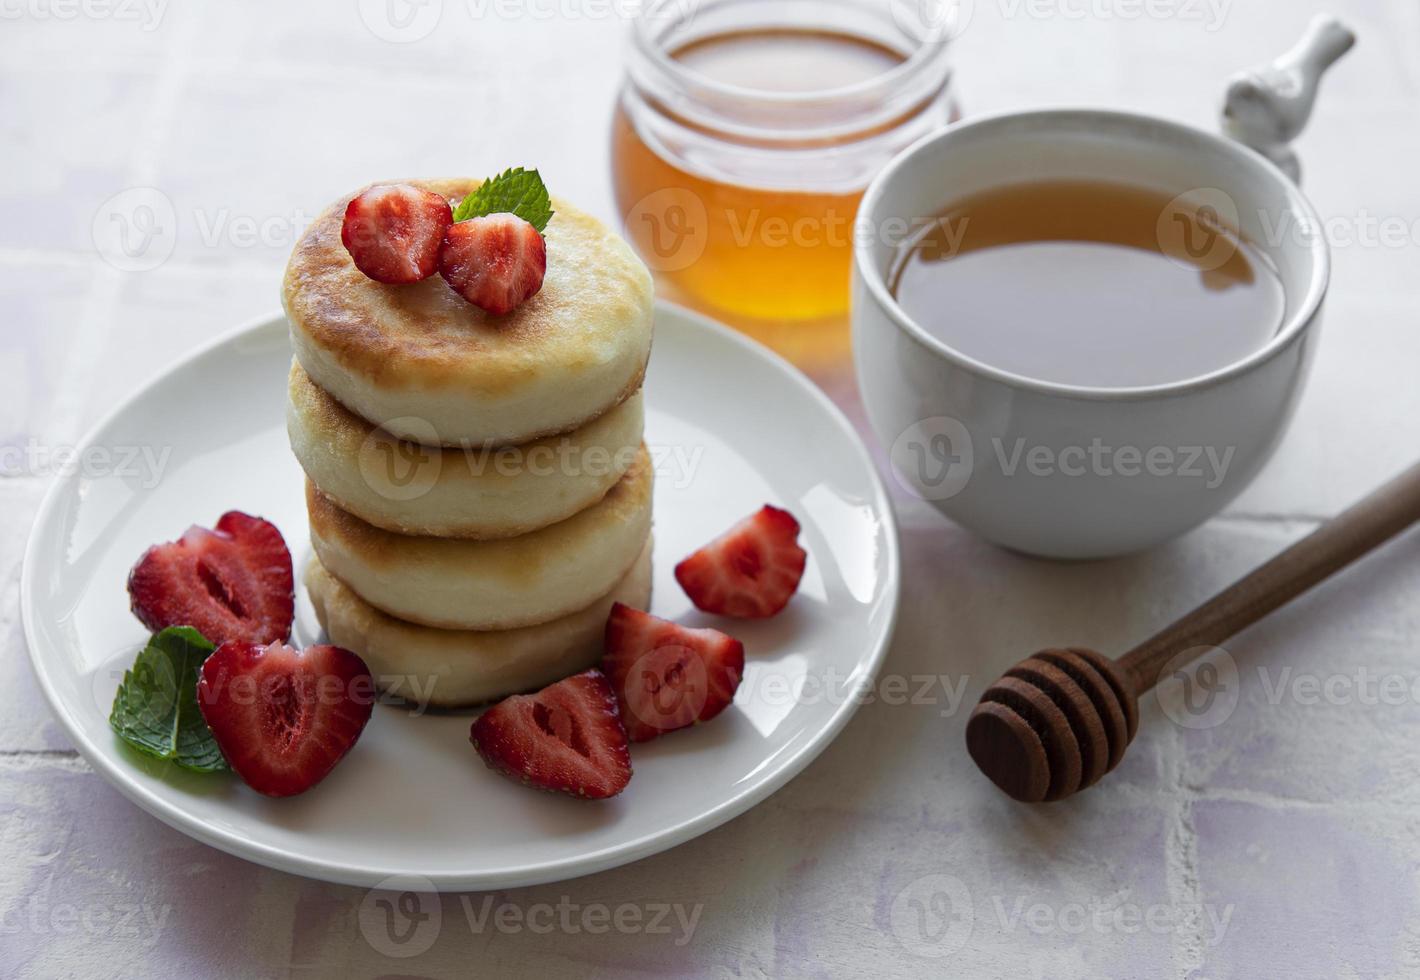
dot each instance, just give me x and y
(1281, 843)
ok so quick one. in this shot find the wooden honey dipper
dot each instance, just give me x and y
(1061, 719)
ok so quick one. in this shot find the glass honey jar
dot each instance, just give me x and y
(745, 133)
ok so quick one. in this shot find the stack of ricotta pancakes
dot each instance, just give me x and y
(478, 490)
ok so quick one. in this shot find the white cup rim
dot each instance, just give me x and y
(1303, 314)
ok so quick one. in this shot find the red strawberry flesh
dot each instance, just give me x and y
(496, 261)
(667, 676)
(284, 717)
(393, 232)
(749, 572)
(233, 582)
(566, 738)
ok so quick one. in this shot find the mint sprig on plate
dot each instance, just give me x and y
(155, 709)
(515, 190)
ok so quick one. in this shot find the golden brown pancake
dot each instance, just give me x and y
(426, 365)
(460, 668)
(479, 493)
(455, 583)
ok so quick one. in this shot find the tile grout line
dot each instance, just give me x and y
(1133, 794)
(44, 760)
(235, 68)
(85, 260)
(1181, 868)
(292, 70)
(1271, 517)
(1273, 801)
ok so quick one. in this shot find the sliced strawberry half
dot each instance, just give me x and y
(394, 231)
(495, 261)
(284, 717)
(751, 571)
(233, 582)
(566, 738)
(668, 676)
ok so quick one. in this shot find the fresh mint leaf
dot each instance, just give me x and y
(516, 190)
(155, 709)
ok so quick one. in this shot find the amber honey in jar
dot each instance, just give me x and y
(745, 134)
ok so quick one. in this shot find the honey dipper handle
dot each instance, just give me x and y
(1363, 526)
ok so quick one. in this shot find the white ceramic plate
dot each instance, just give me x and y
(732, 427)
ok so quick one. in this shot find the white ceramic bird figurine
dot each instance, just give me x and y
(1267, 107)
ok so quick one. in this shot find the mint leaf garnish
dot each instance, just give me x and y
(155, 709)
(516, 190)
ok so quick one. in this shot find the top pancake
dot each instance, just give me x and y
(428, 366)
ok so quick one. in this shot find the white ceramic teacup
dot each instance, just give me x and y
(1061, 470)
(1076, 472)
